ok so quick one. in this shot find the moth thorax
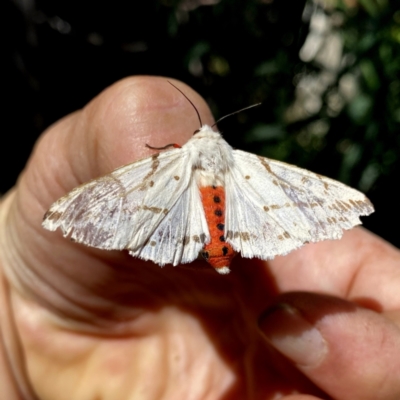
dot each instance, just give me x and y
(205, 178)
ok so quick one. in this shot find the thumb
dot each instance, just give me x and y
(348, 351)
(110, 131)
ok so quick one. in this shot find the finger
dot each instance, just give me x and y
(347, 268)
(348, 351)
(110, 131)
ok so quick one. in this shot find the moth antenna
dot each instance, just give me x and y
(235, 112)
(187, 98)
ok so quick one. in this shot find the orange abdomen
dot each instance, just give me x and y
(218, 253)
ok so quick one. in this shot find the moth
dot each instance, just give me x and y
(205, 199)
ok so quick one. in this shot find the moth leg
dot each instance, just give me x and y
(167, 146)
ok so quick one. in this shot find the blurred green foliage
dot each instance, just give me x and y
(359, 140)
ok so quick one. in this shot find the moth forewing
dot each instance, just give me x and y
(286, 206)
(122, 210)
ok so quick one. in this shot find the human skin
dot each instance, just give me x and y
(86, 324)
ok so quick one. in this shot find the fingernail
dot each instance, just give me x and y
(293, 336)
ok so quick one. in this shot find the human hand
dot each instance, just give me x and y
(80, 323)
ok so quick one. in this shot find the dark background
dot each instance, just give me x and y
(338, 118)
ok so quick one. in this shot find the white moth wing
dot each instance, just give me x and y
(129, 209)
(181, 234)
(273, 208)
